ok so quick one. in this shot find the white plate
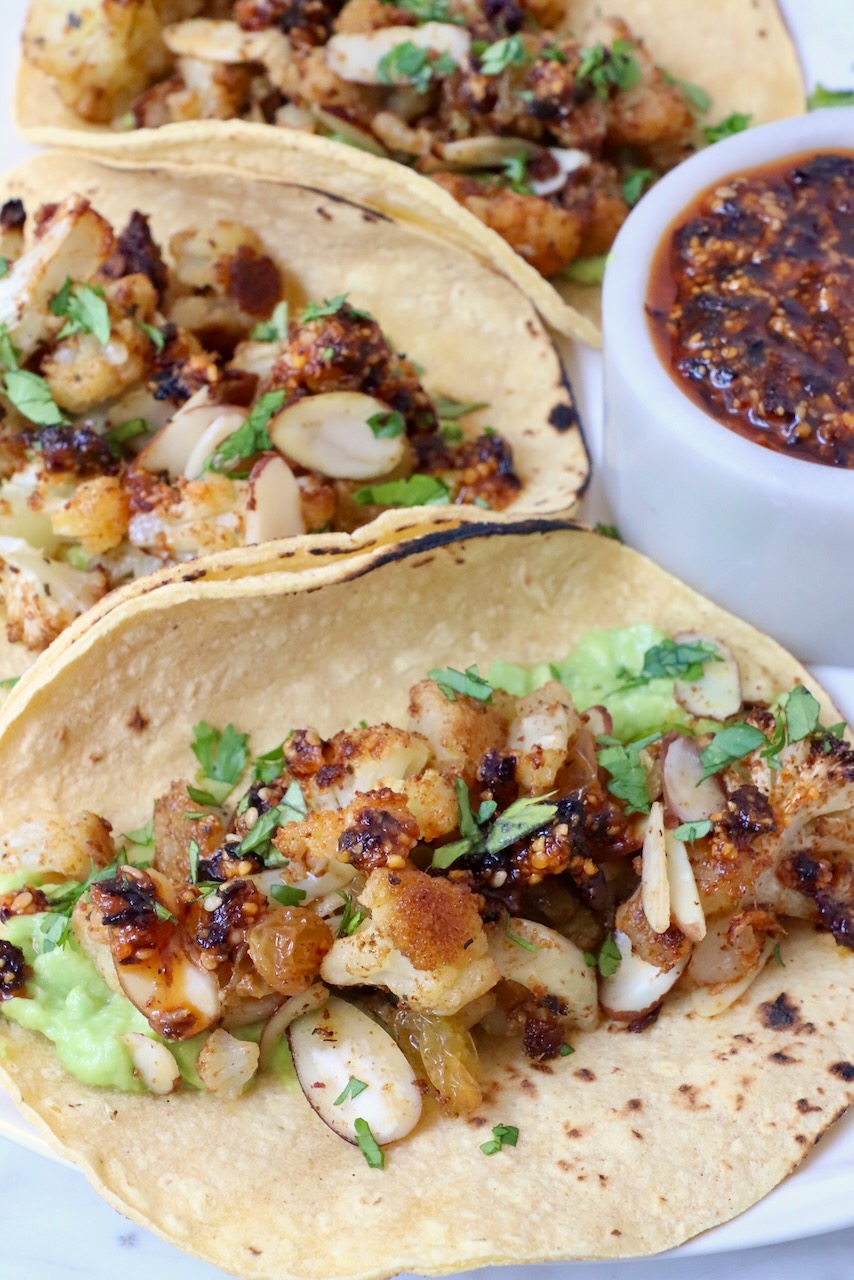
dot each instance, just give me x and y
(818, 1197)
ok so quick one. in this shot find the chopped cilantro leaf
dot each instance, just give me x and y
(429, 10)
(31, 396)
(731, 744)
(608, 531)
(156, 335)
(202, 797)
(697, 96)
(688, 832)
(330, 307)
(119, 435)
(801, 712)
(449, 410)
(778, 956)
(250, 438)
(451, 432)
(587, 270)
(409, 63)
(468, 683)
(352, 917)
(4, 267)
(222, 753)
(291, 809)
(85, 309)
(518, 820)
(275, 329)
(514, 937)
(607, 960)
(193, 851)
(162, 913)
(671, 661)
(368, 1145)
(736, 123)
(270, 765)
(822, 97)
(605, 69)
(287, 895)
(628, 775)
(507, 52)
(8, 351)
(565, 1050)
(635, 183)
(142, 836)
(352, 1089)
(553, 55)
(54, 931)
(515, 171)
(415, 491)
(386, 426)
(9, 682)
(503, 1135)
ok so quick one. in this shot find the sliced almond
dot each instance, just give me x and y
(330, 434)
(548, 964)
(687, 794)
(338, 1043)
(685, 907)
(485, 152)
(356, 56)
(568, 160)
(655, 886)
(171, 448)
(152, 1063)
(274, 509)
(717, 693)
(223, 426)
(637, 987)
(599, 720)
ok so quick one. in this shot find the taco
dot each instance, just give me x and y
(193, 361)
(545, 120)
(431, 817)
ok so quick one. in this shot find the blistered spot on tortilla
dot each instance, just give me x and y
(96, 757)
(844, 1070)
(253, 1250)
(779, 1015)
(644, 1022)
(805, 1106)
(137, 722)
(195, 574)
(801, 1138)
(542, 1067)
(564, 1166)
(584, 1073)
(563, 417)
(634, 1104)
(688, 1097)
(324, 213)
(616, 1232)
(636, 1133)
(782, 1059)
(419, 564)
(528, 1086)
(739, 1101)
(572, 1132)
(477, 1122)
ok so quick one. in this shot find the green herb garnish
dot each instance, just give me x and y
(330, 307)
(252, 436)
(778, 956)
(503, 1135)
(515, 171)
(368, 1145)
(386, 426)
(156, 335)
(507, 52)
(352, 917)
(270, 765)
(291, 809)
(142, 836)
(130, 430)
(608, 531)
(193, 851)
(415, 491)
(275, 329)
(736, 123)
(409, 63)
(8, 351)
(85, 309)
(609, 68)
(31, 396)
(565, 1050)
(729, 745)
(688, 832)
(607, 960)
(587, 270)
(287, 895)
(449, 410)
(352, 1089)
(628, 775)
(635, 183)
(822, 97)
(520, 819)
(514, 937)
(221, 754)
(468, 683)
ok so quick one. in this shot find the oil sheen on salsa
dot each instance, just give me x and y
(751, 304)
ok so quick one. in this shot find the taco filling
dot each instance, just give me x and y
(536, 852)
(154, 413)
(547, 136)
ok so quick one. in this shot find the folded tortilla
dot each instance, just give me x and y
(632, 1145)
(474, 331)
(741, 53)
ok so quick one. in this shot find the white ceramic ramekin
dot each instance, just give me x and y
(768, 536)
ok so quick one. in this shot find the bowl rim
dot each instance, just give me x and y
(628, 340)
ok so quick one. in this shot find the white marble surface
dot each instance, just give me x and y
(52, 1224)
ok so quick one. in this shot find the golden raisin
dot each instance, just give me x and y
(287, 948)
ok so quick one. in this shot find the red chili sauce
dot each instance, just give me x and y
(751, 304)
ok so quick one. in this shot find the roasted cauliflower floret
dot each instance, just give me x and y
(424, 942)
(193, 517)
(70, 848)
(42, 597)
(96, 515)
(543, 728)
(460, 732)
(228, 260)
